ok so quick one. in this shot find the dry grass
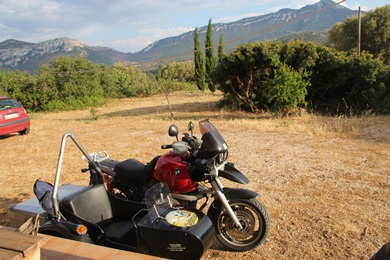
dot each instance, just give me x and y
(325, 181)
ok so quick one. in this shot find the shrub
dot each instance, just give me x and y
(287, 90)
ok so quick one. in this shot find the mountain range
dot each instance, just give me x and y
(310, 22)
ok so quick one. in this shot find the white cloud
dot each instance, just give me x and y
(138, 43)
(122, 24)
(118, 22)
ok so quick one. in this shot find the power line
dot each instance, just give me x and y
(249, 35)
(285, 23)
(222, 44)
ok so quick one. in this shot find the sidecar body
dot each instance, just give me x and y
(115, 222)
(119, 223)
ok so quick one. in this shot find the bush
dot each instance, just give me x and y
(242, 73)
(377, 94)
(287, 90)
(253, 79)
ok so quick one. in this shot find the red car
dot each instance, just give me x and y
(13, 117)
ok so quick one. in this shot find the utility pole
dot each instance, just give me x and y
(359, 31)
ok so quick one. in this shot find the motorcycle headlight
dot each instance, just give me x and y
(197, 169)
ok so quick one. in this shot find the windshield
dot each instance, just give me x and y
(212, 141)
(8, 103)
(158, 200)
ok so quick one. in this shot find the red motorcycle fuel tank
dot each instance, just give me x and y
(173, 171)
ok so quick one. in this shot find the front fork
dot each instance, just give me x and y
(218, 188)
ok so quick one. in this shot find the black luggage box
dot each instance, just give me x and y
(172, 238)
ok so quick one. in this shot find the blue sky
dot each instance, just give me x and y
(131, 25)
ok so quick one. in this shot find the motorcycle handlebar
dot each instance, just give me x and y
(193, 142)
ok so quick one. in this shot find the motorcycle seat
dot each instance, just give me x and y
(91, 206)
(132, 170)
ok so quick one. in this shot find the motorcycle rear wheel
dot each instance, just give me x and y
(253, 218)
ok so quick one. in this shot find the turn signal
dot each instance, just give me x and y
(81, 229)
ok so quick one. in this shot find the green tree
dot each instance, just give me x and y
(136, 82)
(378, 93)
(177, 71)
(44, 92)
(221, 51)
(18, 85)
(115, 83)
(210, 57)
(74, 77)
(199, 63)
(335, 36)
(277, 77)
(287, 90)
(375, 36)
(242, 73)
(76, 81)
(299, 55)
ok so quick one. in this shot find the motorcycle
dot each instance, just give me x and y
(157, 226)
(192, 170)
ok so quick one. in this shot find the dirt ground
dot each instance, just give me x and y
(324, 181)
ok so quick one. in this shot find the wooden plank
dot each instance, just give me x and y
(26, 244)
(30, 226)
(10, 255)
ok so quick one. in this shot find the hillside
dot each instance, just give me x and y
(273, 26)
(313, 20)
(29, 56)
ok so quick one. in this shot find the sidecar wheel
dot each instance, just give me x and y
(253, 218)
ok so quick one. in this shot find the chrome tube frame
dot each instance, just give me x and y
(59, 166)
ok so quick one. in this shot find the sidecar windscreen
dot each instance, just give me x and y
(158, 200)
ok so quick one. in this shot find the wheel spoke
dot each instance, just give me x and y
(253, 219)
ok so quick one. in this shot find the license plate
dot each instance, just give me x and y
(10, 116)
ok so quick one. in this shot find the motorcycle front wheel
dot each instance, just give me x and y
(253, 218)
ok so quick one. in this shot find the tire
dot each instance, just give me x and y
(24, 131)
(253, 218)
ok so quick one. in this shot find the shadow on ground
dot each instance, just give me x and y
(188, 111)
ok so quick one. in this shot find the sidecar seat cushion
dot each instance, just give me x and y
(121, 231)
(91, 204)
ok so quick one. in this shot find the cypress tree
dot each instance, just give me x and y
(210, 58)
(221, 51)
(199, 63)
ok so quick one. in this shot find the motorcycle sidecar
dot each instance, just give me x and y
(127, 225)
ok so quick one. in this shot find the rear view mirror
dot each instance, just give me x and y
(191, 128)
(173, 131)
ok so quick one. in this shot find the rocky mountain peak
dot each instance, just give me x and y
(312, 18)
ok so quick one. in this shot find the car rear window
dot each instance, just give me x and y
(9, 103)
